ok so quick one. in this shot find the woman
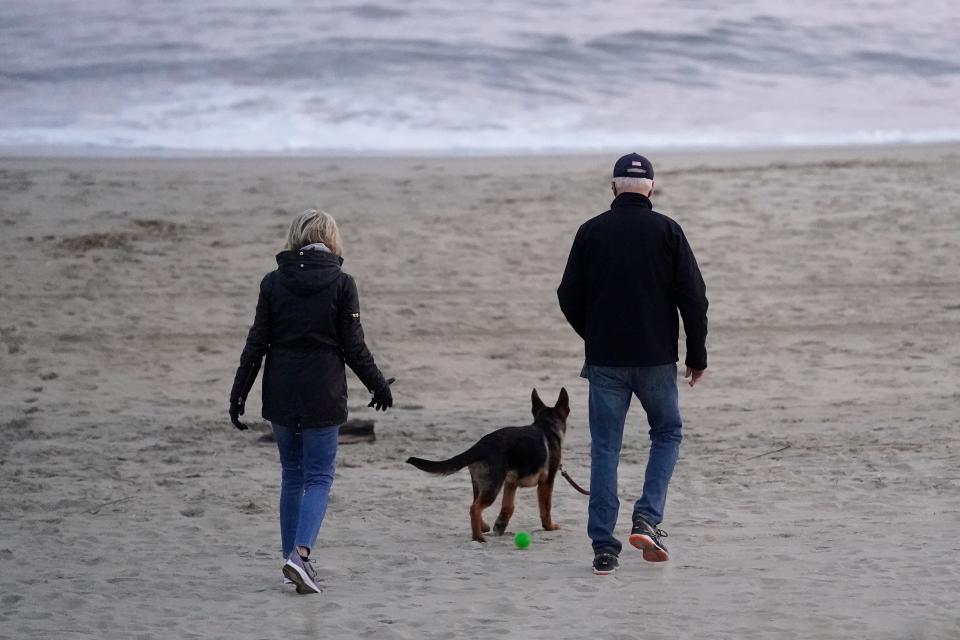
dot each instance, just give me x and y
(307, 324)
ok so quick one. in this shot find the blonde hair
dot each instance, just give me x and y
(314, 225)
(635, 185)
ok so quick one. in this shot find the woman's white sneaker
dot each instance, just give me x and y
(301, 573)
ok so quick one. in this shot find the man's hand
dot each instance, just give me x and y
(236, 410)
(694, 375)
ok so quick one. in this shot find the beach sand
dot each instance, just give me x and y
(818, 489)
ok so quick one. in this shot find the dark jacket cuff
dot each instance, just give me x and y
(696, 360)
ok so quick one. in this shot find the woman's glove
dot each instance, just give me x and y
(382, 398)
(242, 382)
(236, 410)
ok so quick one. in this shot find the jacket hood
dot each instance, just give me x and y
(307, 272)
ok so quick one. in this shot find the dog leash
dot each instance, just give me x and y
(573, 483)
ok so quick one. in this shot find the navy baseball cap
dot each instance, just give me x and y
(633, 165)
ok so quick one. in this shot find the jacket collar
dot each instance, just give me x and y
(308, 256)
(628, 199)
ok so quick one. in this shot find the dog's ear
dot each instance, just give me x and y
(563, 403)
(538, 405)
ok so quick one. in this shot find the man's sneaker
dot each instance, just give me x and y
(284, 580)
(646, 537)
(301, 573)
(605, 564)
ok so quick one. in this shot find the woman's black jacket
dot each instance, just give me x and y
(308, 325)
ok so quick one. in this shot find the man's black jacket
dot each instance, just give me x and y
(307, 324)
(629, 271)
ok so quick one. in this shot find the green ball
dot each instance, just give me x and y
(522, 540)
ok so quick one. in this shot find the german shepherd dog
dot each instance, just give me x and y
(511, 457)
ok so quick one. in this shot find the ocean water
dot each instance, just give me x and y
(433, 76)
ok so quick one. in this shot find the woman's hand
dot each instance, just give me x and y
(236, 410)
(382, 398)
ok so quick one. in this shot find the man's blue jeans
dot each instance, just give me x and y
(307, 457)
(611, 389)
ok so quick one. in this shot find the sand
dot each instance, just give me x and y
(818, 490)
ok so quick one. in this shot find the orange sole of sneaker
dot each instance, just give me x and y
(651, 552)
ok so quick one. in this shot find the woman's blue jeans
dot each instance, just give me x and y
(307, 457)
(611, 389)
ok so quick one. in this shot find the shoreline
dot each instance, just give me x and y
(915, 149)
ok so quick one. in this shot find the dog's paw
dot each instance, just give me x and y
(553, 526)
(485, 527)
(499, 529)
(480, 539)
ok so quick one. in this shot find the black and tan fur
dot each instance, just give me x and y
(509, 458)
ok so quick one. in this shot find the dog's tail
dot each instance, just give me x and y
(446, 467)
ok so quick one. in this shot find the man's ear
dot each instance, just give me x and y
(538, 405)
(613, 186)
(563, 403)
(653, 187)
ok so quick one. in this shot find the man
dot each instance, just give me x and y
(629, 271)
